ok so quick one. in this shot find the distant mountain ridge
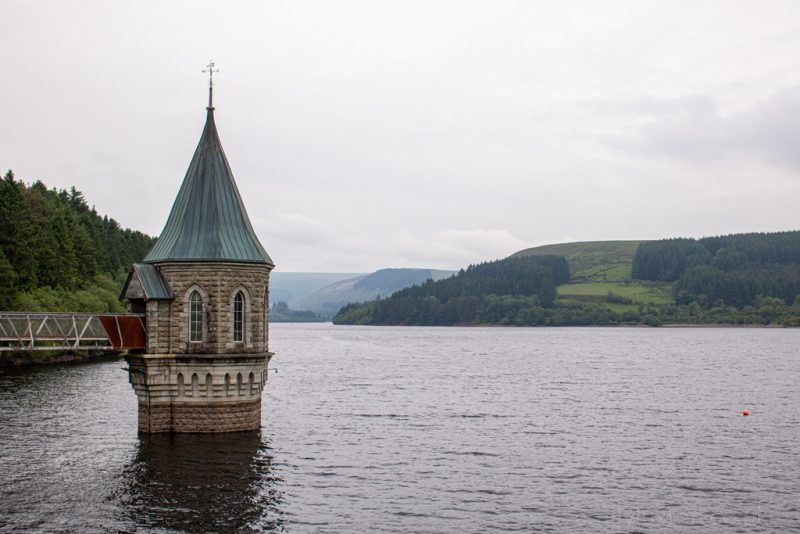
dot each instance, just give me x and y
(382, 283)
(293, 287)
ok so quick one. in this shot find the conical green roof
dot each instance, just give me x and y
(208, 221)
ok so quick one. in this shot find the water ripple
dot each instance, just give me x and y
(431, 430)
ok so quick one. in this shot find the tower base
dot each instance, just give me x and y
(198, 393)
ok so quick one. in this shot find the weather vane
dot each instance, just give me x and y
(210, 70)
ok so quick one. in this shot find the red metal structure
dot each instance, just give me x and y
(26, 331)
(126, 332)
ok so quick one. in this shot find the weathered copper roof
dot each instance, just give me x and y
(146, 282)
(208, 221)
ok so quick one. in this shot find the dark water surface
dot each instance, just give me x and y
(431, 429)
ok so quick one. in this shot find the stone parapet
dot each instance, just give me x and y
(198, 393)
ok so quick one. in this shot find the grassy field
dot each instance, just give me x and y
(592, 261)
(600, 267)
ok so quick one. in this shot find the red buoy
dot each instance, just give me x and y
(745, 412)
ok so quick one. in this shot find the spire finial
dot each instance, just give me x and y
(210, 70)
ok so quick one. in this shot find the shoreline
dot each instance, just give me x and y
(669, 325)
(723, 325)
(14, 360)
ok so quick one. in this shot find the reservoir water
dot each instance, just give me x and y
(371, 429)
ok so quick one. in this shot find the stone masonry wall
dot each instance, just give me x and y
(217, 283)
(198, 393)
(159, 326)
(200, 417)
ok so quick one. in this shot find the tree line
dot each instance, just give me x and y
(508, 310)
(57, 253)
(732, 270)
(471, 296)
(280, 312)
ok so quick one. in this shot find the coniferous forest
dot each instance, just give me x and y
(59, 254)
(482, 293)
(728, 270)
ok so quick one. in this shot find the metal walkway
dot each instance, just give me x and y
(21, 331)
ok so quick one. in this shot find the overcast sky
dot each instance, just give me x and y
(433, 134)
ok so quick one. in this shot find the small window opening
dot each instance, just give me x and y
(195, 317)
(238, 317)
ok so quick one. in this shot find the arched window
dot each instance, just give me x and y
(239, 384)
(227, 384)
(195, 317)
(180, 384)
(209, 387)
(251, 382)
(238, 317)
(195, 391)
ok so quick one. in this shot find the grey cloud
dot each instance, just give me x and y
(697, 129)
(370, 134)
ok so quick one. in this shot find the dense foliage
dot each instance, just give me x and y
(471, 296)
(57, 253)
(731, 270)
(527, 311)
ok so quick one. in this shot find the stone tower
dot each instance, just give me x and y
(204, 288)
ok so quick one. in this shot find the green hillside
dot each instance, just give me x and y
(595, 261)
(744, 279)
(476, 295)
(601, 273)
